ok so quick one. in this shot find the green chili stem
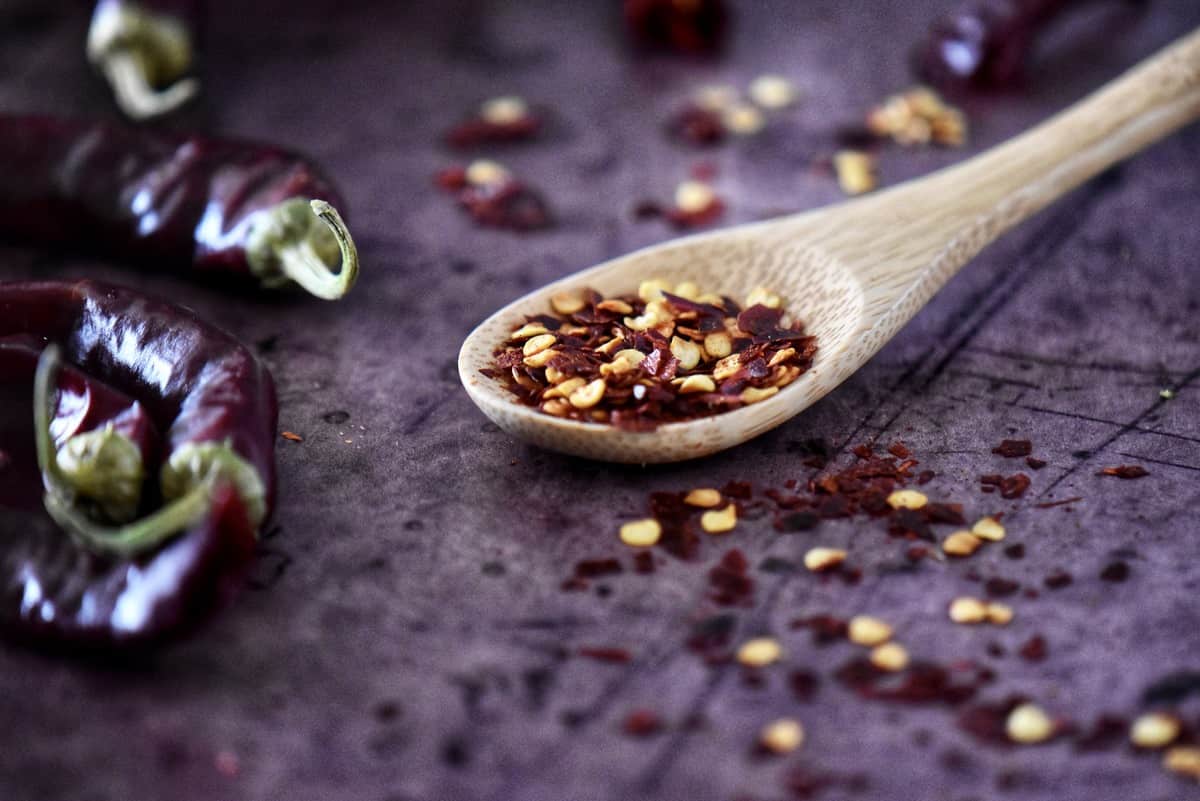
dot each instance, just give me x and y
(59, 498)
(133, 92)
(301, 262)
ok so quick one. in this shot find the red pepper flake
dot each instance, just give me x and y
(643, 562)
(494, 198)
(988, 722)
(1115, 571)
(603, 654)
(899, 450)
(925, 476)
(729, 581)
(711, 636)
(1058, 579)
(804, 684)
(1035, 463)
(499, 120)
(1013, 448)
(1052, 504)
(1014, 486)
(642, 723)
(697, 126)
(1109, 731)
(1125, 471)
(921, 683)
(1015, 551)
(696, 26)
(292, 436)
(593, 568)
(1034, 649)
(1001, 587)
(826, 629)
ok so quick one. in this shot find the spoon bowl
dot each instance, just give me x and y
(855, 272)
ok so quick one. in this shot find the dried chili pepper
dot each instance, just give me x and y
(103, 438)
(144, 48)
(693, 26)
(216, 207)
(87, 583)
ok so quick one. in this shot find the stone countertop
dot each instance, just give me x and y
(405, 637)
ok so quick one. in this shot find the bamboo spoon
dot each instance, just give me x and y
(855, 272)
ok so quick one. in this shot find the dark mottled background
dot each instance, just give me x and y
(403, 637)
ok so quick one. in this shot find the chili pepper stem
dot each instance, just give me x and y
(133, 92)
(104, 466)
(138, 50)
(123, 541)
(288, 244)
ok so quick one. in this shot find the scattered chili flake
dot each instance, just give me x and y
(1052, 504)
(592, 568)
(643, 562)
(1115, 571)
(604, 654)
(921, 683)
(1013, 448)
(1035, 463)
(710, 636)
(1106, 732)
(1001, 587)
(899, 450)
(986, 722)
(825, 629)
(804, 684)
(494, 198)
(500, 119)
(292, 436)
(1058, 579)
(659, 356)
(730, 582)
(1034, 649)
(1015, 551)
(1014, 486)
(693, 27)
(1125, 471)
(642, 723)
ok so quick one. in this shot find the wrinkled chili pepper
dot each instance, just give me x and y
(985, 43)
(72, 579)
(103, 438)
(216, 207)
(145, 50)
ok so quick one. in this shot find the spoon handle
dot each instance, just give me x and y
(934, 225)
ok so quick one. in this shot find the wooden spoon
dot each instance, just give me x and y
(855, 272)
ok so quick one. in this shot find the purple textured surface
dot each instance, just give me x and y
(405, 637)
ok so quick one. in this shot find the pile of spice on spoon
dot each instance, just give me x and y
(667, 354)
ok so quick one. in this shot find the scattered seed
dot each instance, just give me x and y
(820, 559)
(1155, 730)
(641, 533)
(503, 110)
(291, 435)
(760, 295)
(754, 394)
(961, 543)
(772, 91)
(718, 345)
(759, 652)
(968, 611)
(564, 388)
(484, 172)
(715, 98)
(907, 499)
(694, 196)
(529, 330)
(588, 395)
(743, 119)
(695, 384)
(867, 630)
(917, 117)
(999, 614)
(988, 528)
(1028, 724)
(782, 736)
(855, 171)
(541, 358)
(1184, 760)
(891, 657)
(538, 344)
(719, 522)
(703, 497)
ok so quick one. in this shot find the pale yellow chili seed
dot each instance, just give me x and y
(695, 384)
(718, 345)
(782, 736)
(1154, 730)
(961, 543)
(968, 611)
(988, 528)
(703, 497)
(719, 521)
(687, 352)
(754, 394)
(538, 344)
(907, 499)
(641, 533)
(1184, 760)
(1029, 724)
(891, 657)
(999, 614)
(760, 652)
(588, 395)
(820, 559)
(868, 630)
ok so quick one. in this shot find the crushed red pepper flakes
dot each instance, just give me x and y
(292, 436)
(1013, 448)
(1125, 471)
(642, 723)
(729, 581)
(494, 198)
(498, 120)
(640, 360)
(1058, 579)
(1115, 571)
(1034, 463)
(606, 654)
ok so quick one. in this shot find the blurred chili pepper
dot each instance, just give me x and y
(92, 584)
(145, 49)
(212, 206)
(985, 43)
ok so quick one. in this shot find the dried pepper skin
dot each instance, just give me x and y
(158, 198)
(200, 387)
(84, 403)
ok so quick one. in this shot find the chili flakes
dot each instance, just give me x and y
(658, 356)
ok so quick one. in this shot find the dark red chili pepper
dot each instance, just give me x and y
(682, 26)
(87, 583)
(217, 207)
(145, 49)
(103, 438)
(984, 43)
